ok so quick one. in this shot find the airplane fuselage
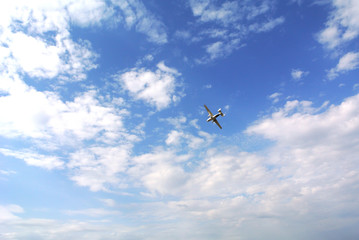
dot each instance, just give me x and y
(212, 118)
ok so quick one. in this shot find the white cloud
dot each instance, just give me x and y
(178, 122)
(160, 171)
(44, 116)
(155, 88)
(308, 141)
(92, 212)
(275, 97)
(176, 138)
(348, 62)
(231, 22)
(220, 49)
(184, 34)
(42, 228)
(34, 56)
(194, 123)
(298, 74)
(5, 172)
(304, 180)
(109, 202)
(35, 159)
(85, 13)
(147, 58)
(36, 40)
(297, 124)
(266, 26)
(342, 25)
(7, 212)
(295, 182)
(99, 168)
(226, 13)
(136, 14)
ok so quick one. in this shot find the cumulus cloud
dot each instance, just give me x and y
(48, 122)
(37, 39)
(342, 25)
(348, 62)
(160, 171)
(156, 88)
(44, 116)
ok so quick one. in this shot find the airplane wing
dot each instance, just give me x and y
(209, 112)
(217, 123)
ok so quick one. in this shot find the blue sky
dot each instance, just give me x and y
(103, 132)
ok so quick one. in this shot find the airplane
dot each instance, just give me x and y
(212, 117)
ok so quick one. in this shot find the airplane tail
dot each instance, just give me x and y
(220, 112)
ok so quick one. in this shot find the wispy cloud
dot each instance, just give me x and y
(35, 159)
(219, 49)
(231, 22)
(275, 97)
(267, 26)
(136, 15)
(108, 202)
(6, 172)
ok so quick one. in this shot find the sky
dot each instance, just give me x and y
(103, 133)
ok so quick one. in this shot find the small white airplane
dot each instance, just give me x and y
(212, 117)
